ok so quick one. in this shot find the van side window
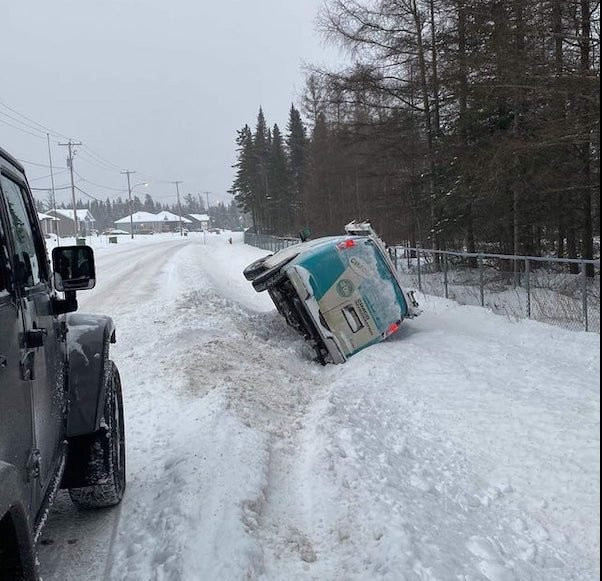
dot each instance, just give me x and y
(28, 263)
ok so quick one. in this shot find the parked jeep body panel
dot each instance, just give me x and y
(88, 342)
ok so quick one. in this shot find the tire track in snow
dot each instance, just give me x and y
(78, 544)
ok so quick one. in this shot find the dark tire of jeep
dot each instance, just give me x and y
(10, 565)
(108, 450)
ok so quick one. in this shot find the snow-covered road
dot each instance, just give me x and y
(466, 448)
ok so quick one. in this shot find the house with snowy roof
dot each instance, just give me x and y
(48, 223)
(145, 222)
(85, 221)
(199, 221)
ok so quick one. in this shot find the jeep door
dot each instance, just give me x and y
(43, 358)
(16, 437)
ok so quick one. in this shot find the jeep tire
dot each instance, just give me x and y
(107, 451)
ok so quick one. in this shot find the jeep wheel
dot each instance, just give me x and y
(106, 452)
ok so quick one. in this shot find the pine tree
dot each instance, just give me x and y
(281, 203)
(296, 142)
(261, 186)
(243, 188)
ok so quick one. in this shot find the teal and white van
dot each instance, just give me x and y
(341, 293)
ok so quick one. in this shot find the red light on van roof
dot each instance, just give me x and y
(346, 244)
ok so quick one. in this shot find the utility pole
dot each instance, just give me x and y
(56, 221)
(127, 172)
(179, 206)
(71, 144)
(207, 194)
(208, 214)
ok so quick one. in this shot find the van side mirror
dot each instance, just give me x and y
(74, 268)
(305, 234)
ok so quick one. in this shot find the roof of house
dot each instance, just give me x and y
(166, 216)
(199, 217)
(42, 216)
(68, 213)
(138, 218)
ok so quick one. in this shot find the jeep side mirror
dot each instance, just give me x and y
(74, 268)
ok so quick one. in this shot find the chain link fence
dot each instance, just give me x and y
(268, 242)
(557, 291)
(561, 292)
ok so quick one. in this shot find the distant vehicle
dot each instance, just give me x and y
(214, 231)
(114, 232)
(61, 411)
(145, 232)
(341, 293)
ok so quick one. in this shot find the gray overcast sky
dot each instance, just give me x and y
(152, 85)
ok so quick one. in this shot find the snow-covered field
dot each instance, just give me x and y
(466, 448)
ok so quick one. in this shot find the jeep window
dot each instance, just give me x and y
(4, 263)
(29, 262)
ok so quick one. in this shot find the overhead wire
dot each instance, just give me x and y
(88, 154)
(21, 129)
(122, 190)
(40, 125)
(60, 171)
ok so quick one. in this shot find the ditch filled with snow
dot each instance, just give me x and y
(466, 447)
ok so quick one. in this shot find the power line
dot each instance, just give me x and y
(24, 123)
(21, 129)
(121, 190)
(100, 158)
(65, 187)
(47, 176)
(43, 127)
(88, 158)
(34, 163)
(87, 194)
(86, 153)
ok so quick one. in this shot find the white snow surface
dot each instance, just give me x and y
(465, 448)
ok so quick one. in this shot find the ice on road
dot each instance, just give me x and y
(466, 448)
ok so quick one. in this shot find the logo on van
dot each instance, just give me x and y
(345, 288)
(360, 267)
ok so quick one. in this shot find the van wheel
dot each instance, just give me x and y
(106, 452)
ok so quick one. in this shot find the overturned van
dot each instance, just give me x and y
(341, 293)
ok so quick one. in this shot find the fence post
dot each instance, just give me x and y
(445, 281)
(419, 269)
(481, 280)
(585, 305)
(528, 285)
(395, 252)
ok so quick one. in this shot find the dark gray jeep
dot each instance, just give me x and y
(61, 412)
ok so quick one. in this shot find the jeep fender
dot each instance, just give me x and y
(13, 507)
(88, 340)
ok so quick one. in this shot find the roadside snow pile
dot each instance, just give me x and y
(465, 448)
